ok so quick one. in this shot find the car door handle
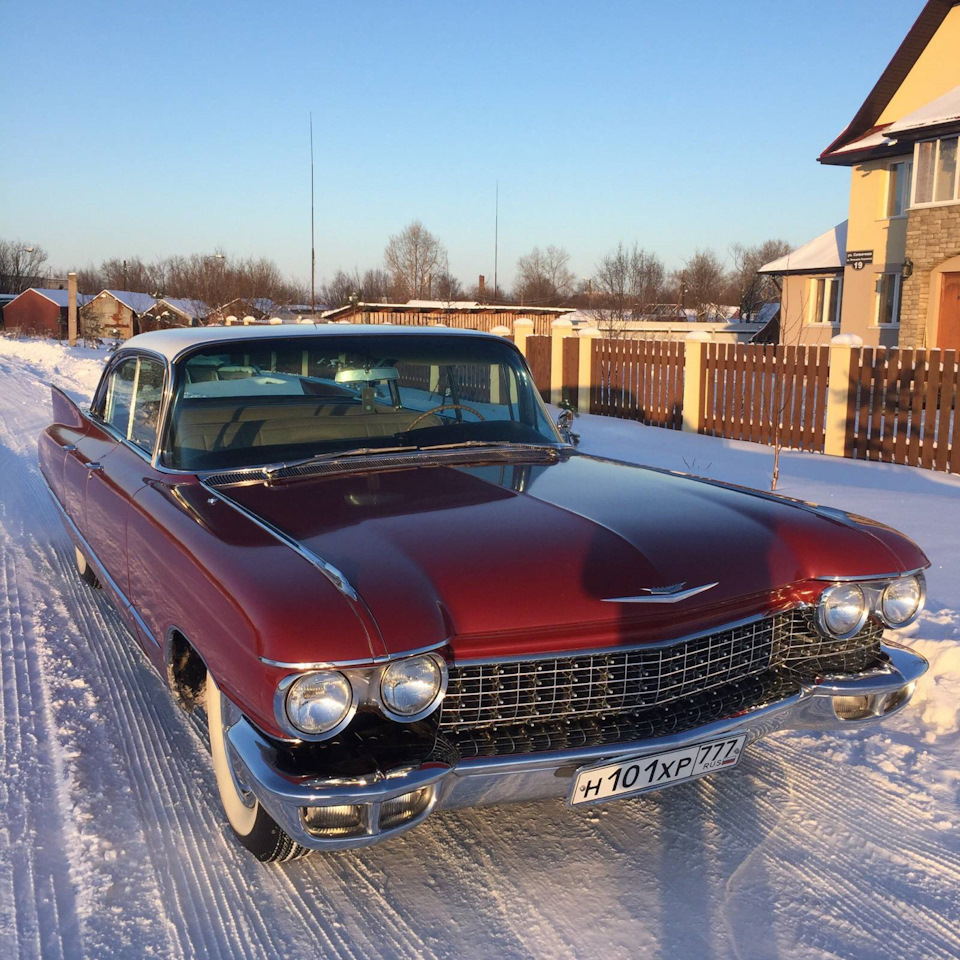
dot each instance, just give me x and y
(94, 466)
(68, 447)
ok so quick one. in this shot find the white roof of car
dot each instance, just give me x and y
(171, 343)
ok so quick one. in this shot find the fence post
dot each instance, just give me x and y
(838, 393)
(522, 328)
(560, 328)
(585, 374)
(694, 353)
(500, 331)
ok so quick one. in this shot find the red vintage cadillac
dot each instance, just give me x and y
(370, 561)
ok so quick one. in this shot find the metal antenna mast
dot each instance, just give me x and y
(496, 238)
(313, 246)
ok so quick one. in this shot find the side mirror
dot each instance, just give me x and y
(565, 426)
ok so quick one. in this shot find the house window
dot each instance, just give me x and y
(888, 298)
(898, 187)
(825, 301)
(936, 178)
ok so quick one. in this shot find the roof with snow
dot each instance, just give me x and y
(945, 109)
(60, 297)
(822, 254)
(445, 305)
(137, 302)
(903, 61)
(189, 308)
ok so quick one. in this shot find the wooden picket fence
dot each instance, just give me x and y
(902, 407)
(760, 392)
(538, 358)
(899, 405)
(638, 380)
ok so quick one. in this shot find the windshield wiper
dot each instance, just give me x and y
(492, 444)
(271, 471)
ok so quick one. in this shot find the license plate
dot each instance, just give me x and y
(629, 777)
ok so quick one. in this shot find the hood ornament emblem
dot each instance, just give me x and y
(673, 593)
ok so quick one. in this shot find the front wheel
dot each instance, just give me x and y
(85, 570)
(251, 824)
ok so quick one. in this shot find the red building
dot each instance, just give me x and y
(40, 312)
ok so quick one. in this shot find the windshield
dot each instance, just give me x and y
(260, 402)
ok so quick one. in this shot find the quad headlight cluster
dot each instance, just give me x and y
(843, 608)
(319, 704)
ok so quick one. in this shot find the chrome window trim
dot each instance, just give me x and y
(93, 558)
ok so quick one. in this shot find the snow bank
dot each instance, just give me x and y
(76, 370)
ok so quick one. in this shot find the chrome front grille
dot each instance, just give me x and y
(516, 693)
(488, 694)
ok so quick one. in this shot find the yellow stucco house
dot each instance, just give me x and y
(890, 273)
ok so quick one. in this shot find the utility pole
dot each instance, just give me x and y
(496, 239)
(72, 309)
(313, 247)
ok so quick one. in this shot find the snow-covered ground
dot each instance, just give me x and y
(112, 843)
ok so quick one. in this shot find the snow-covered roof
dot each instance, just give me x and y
(448, 305)
(826, 252)
(189, 308)
(945, 109)
(137, 302)
(60, 297)
(872, 138)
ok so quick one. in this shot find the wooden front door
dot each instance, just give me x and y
(948, 328)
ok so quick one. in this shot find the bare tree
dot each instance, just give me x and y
(414, 258)
(544, 277)
(626, 285)
(21, 265)
(754, 289)
(704, 279)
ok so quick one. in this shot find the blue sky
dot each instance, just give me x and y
(164, 128)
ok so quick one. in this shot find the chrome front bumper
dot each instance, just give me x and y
(508, 779)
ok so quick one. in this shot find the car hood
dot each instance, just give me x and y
(523, 558)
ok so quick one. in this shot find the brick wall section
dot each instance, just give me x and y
(933, 235)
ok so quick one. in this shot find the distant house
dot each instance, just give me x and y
(811, 284)
(467, 314)
(115, 313)
(41, 312)
(173, 312)
(260, 308)
(891, 273)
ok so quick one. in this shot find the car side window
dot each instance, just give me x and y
(133, 397)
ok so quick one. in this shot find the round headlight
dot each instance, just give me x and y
(901, 600)
(842, 610)
(319, 702)
(411, 688)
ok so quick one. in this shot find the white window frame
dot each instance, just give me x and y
(897, 293)
(936, 161)
(905, 184)
(812, 318)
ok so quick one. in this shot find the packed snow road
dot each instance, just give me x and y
(113, 844)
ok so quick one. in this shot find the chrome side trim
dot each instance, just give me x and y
(340, 664)
(101, 570)
(662, 597)
(874, 576)
(327, 569)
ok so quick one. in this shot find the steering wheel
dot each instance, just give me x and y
(446, 406)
